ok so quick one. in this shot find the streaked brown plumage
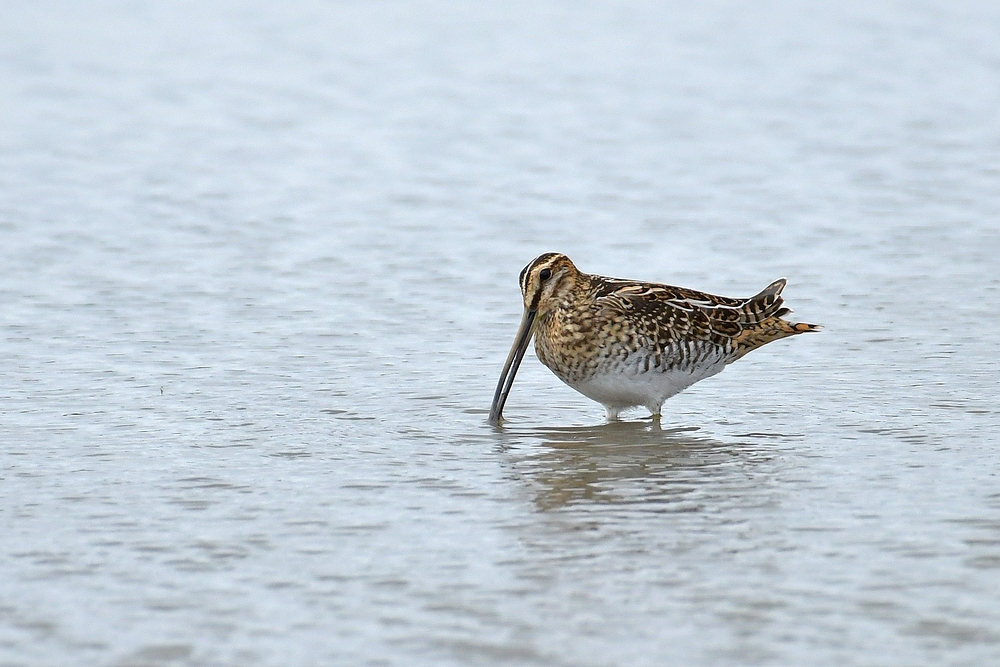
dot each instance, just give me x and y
(625, 343)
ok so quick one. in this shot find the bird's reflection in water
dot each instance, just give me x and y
(635, 463)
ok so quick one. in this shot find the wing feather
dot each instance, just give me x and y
(667, 314)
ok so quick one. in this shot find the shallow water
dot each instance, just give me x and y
(261, 276)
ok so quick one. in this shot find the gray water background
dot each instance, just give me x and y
(259, 276)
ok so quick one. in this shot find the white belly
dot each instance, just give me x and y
(629, 386)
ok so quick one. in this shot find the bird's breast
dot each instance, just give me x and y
(611, 352)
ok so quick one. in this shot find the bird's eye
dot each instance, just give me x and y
(545, 274)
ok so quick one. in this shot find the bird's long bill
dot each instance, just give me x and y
(510, 368)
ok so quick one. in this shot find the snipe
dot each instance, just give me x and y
(625, 343)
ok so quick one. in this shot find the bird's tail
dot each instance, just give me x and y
(764, 321)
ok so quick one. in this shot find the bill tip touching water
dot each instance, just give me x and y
(625, 343)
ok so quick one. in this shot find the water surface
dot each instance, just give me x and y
(260, 276)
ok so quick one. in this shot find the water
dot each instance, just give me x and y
(260, 276)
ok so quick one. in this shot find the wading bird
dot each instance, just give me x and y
(625, 343)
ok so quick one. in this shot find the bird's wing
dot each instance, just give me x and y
(668, 313)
